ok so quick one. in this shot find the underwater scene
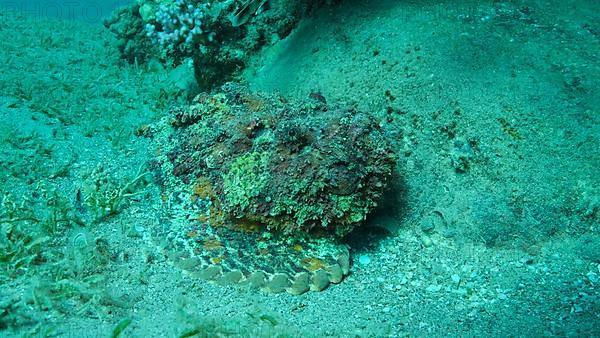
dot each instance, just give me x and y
(300, 168)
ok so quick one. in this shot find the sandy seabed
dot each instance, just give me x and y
(491, 229)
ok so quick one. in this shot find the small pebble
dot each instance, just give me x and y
(592, 277)
(364, 260)
(433, 288)
(455, 278)
(426, 241)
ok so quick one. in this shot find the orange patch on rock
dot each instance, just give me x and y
(216, 260)
(212, 244)
(202, 218)
(313, 264)
(246, 225)
(203, 188)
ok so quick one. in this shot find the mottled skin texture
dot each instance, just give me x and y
(290, 166)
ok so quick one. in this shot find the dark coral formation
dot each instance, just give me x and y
(132, 41)
(203, 31)
(291, 166)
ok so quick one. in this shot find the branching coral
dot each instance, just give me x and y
(179, 25)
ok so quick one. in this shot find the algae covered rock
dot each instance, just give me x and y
(257, 191)
(289, 166)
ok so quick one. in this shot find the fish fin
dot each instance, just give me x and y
(242, 15)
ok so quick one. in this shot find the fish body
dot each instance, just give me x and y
(244, 13)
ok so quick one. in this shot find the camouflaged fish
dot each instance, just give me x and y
(258, 191)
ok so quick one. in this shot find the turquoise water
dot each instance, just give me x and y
(489, 226)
